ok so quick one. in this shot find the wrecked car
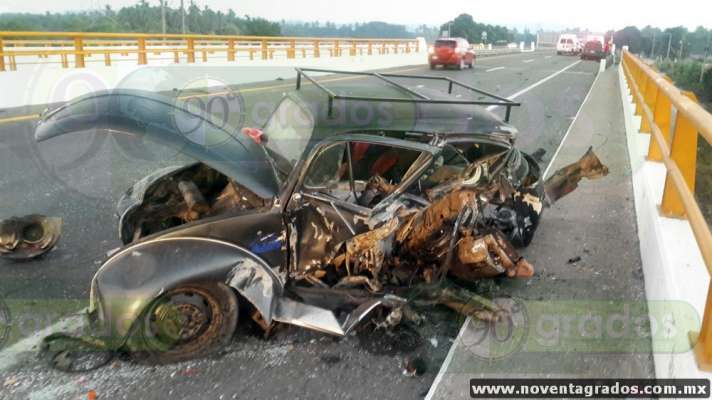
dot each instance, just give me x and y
(347, 195)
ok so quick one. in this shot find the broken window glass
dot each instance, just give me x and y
(288, 132)
(329, 170)
(390, 163)
(378, 170)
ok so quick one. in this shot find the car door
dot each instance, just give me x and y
(334, 199)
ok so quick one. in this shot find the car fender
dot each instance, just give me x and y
(134, 277)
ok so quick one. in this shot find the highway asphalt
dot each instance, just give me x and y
(588, 267)
(79, 177)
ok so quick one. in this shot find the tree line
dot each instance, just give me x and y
(147, 18)
(680, 53)
(465, 26)
(676, 42)
(143, 17)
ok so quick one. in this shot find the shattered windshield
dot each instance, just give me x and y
(288, 132)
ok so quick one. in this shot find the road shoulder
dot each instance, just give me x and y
(586, 254)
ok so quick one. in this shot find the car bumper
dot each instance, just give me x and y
(452, 60)
(593, 55)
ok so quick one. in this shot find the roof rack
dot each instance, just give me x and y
(417, 97)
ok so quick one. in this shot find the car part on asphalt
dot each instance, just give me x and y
(566, 180)
(28, 237)
(74, 354)
(327, 221)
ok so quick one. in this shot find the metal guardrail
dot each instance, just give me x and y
(675, 120)
(82, 45)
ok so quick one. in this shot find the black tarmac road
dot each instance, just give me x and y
(79, 177)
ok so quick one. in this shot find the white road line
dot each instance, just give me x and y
(573, 121)
(451, 352)
(494, 69)
(537, 83)
(528, 61)
(448, 360)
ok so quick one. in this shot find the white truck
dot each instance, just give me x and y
(568, 44)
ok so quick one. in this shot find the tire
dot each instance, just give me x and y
(156, 340)
(432, 66)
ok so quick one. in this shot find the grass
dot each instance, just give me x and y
(686, 75)
(703, 187)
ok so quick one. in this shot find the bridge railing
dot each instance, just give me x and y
(77, 48)
(676, 120)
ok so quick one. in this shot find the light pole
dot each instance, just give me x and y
(182, 17)
(704, 59)
(669, 43)
(163, 16)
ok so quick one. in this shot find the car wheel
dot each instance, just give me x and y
(432, 66)
(187, 322)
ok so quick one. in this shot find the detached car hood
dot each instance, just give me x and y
(158, 117)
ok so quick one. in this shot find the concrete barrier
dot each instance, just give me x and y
(47, 84)
(672, 264)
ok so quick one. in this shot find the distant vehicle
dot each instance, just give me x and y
(595, 37)
(579, 45)
(452, 51)
(567, 44)
(593, 50)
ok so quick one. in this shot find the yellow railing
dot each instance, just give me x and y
(675, 120)
(80, 46)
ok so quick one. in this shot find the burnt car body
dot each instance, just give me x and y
(264, 215)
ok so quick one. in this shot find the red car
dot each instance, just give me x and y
(593, 50)
(451, 51)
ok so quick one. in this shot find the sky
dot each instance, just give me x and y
(599, 15)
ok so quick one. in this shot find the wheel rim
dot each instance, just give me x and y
(184, 317)
(33, 233)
